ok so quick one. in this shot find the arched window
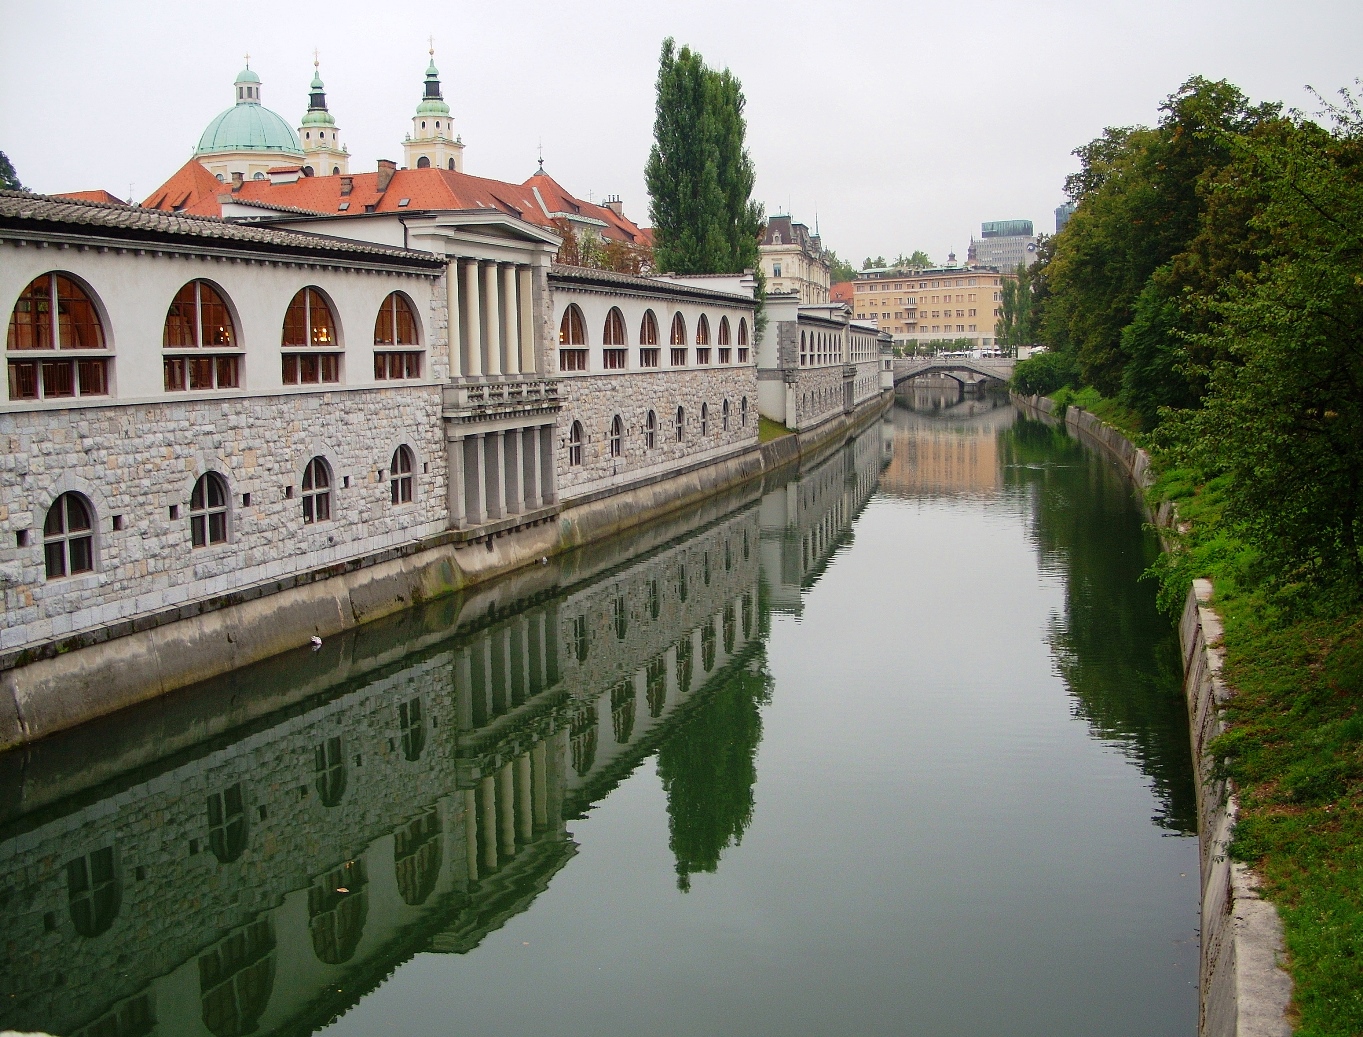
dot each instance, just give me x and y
(572, 337)
(617, 436)
(681, 424)
(703, 331)
(198, 319)
(329, 765)
(400, 478)
(704, 419)
(724, 331)
(451, 164)
(650, 431)
(575, 443)
(208, 510)
(316, 491)
(648, 330)
(743, 412)
(614, 332)
(93, 891)
(423, 162)
(309, 327)
(678, 329)
(55, 313)
(742, 340)
(724, 417)
(69, 536)
(227, 824)
(395, 328)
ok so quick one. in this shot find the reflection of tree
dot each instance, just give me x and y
(1118, 655)
(708, 766)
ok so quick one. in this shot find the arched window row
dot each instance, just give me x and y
(58, 346)
(70, 525)
(618, 436)
(575, 343)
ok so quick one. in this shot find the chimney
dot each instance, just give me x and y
(237, 179)
(347, 185)
(615, 205)
(387, 167)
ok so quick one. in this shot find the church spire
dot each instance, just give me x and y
(323, 153)
(433, 142)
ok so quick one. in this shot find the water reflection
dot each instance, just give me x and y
(254, 855)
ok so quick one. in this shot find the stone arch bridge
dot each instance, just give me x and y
(965, 370)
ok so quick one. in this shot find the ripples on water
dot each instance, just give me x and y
(892, 747)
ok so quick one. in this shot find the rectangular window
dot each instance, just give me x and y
(311, 369)
(702, 354)
(613, 359)
(742, 354)
(725, 355)
(648, 357)
(679, 357)
(572, 360)
(393, 366)
(57, 379)
(23, 380)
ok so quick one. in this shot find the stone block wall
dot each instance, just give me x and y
(134, 463)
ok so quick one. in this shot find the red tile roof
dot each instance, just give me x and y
(841, 292)
(92, 196)
(539, 200)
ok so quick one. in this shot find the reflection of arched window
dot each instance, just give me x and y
(93, 891)
(309, 325)
(208, 511)
(198, 319)
(656, 686)
(413, 728)
(622, 711)
(617, 438)
(338, 906)
(581, 645)
(650, 431)
(575, 443)
(655, 604)
(236, 978)
(681, 583)
(227, 824)
(329, 764)
(55, 313)
(707, 646)
(582, 741)
(316, 491)
(730, 628)
(69, 537)
(745, 545)
(400, 478)
(621, 618)
(705, 567)
(747, 616)
(728, 556)
(685, 664)
(417, 857)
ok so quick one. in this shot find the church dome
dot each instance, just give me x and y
(249, 125)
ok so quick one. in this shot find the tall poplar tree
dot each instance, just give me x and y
(699, 173)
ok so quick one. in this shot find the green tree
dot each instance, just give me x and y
(916, 258)
(839, 269)
(868, 263)
(699, 174)
(9, 179)
(1014, 326)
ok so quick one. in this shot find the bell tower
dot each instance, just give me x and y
(323, 153)
(433, 142)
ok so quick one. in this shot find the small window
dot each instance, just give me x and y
(575, 444)
(648, 357)
(742, 331)
(571, 329)
(725, 417)
(617, 436)
(681, 424)
(678, 329)
(743, 412)
(678, 356)
(648, 330)
(703, 331)
(650, 431)
(316, 491)
(208, 511)
(400, 477)
(702, 355)
(329, 765)
(614, 332)
(613, 359)
(68, 537)
(572, 360)
(723, 331)
(704, 419)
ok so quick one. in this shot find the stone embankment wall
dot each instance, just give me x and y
(1243, 988)
(109, 669)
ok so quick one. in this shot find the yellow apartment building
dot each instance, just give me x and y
(920, 306)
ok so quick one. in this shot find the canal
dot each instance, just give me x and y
(892, 745)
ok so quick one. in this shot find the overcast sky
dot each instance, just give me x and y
(902, 125)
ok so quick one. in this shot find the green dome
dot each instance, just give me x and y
(248, 126)
(432, 103)
(247, 76)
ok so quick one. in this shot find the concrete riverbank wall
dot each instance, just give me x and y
(109, 669)
(1243, 989)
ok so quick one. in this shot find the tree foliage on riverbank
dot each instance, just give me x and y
(1209, 287)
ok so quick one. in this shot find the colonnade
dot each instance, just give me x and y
(512, 805)
(492, 319)
(505, 668)
(498, 473)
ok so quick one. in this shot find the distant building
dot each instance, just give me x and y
(1062, 215)
(918, 306)
(1004, 244)
(794, 261)
(842, 292)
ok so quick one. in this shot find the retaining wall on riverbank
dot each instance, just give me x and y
(1243, 989)
(104, 671)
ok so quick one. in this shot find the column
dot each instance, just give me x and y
(485, 689)
(471, 833)
(454, 491)
(525, 821)
(530, 457)
(492, 319)
(487, 820)
(473, 480)
(452, 309)
(463, 689)
(525, 310)
(515, 469)
(470, 312)
(511, 325)
(495, 467)
(548, 470)
(506, 810)
(541, 780)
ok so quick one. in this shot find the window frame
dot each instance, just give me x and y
(312, 494)
(402, 481)
(398, 359)
(87, 370)
(299, 356)
(617, 438)
(575, 442)
(205, 516)
(63, 538)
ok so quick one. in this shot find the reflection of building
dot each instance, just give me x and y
(936, 457)
(794, 260)
(804, 521)
(403, 790)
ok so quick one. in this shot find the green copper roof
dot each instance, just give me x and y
(431, 102)
(247, 76)
(249, 126)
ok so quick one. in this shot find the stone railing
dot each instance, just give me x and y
(478, 400)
